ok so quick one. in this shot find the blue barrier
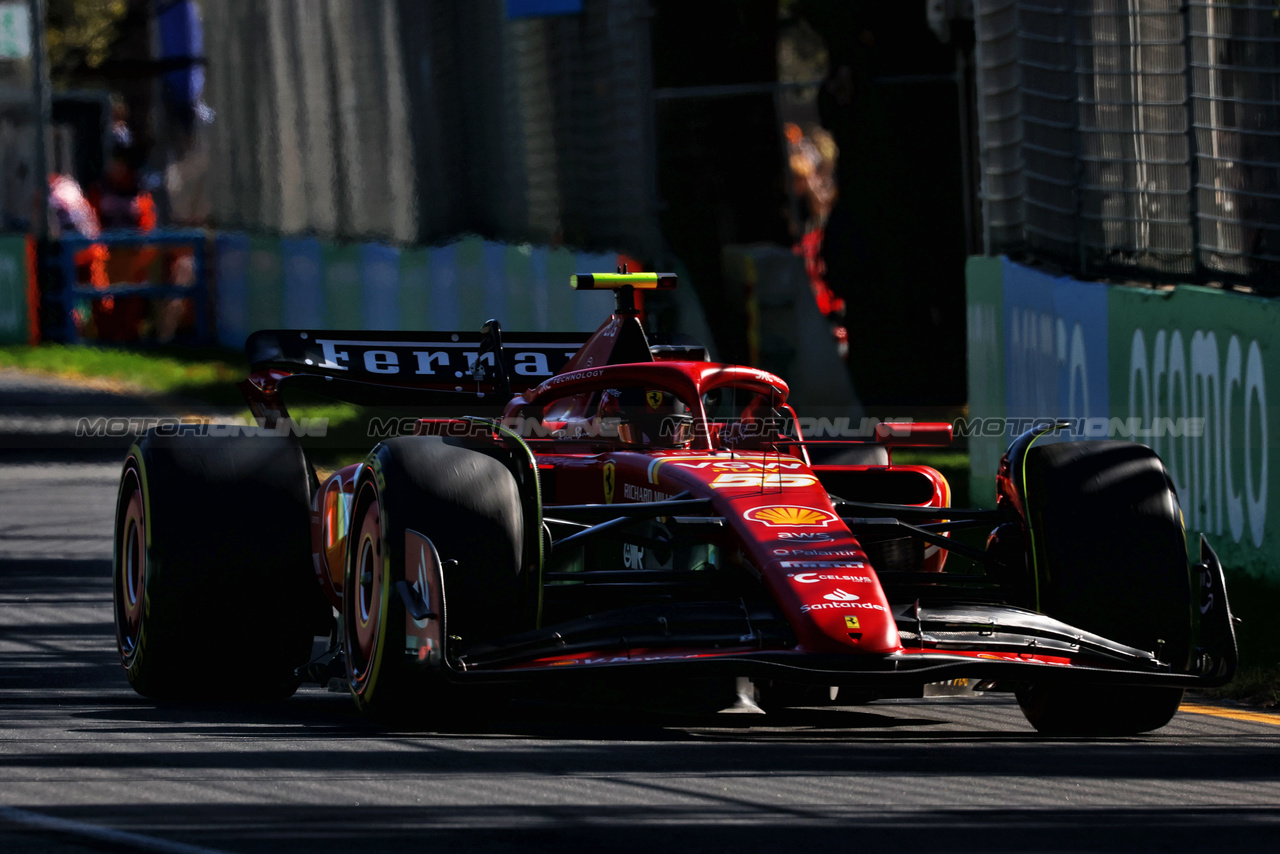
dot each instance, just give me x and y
(304, 303)
(198, 291)
(267, 282)
(380, 273)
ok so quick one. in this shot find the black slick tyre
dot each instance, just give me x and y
(774, 696)
(1109, 555)
(213, 591)
(468, 505)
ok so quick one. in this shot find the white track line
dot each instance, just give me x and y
(25, 818)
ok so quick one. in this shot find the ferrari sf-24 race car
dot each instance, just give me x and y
(610, 508)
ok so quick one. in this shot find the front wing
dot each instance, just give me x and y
(993, 643)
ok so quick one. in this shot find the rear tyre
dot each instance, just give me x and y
(1109, 555)
(213, 590)
(468, 504)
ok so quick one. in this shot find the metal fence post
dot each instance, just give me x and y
(1193, 144)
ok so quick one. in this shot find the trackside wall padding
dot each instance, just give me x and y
(1187, 370)
(302, 282)
(14, 290)
(986, 373)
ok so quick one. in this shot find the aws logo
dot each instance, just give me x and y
(805, 536)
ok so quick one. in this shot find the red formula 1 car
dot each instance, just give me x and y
(609, 507)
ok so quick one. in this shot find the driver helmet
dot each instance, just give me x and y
(647, 417)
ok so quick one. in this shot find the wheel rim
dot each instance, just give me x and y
(131, 553)
(365, 595)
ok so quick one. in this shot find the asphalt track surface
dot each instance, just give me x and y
(87, 765)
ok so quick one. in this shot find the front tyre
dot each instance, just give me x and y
(1116, 711)
(1109, 555)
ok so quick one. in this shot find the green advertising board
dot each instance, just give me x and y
(1189, 375)
(13, 290)
(986, 372)
(473, 309)
(415, 290)
(1186, 371)
(264, 285)
(518, 275)
(343, 290)
(561, 299)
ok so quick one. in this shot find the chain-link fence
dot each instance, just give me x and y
(1134, 138)
(1235, 62)
(1000, 126)
(417, 120)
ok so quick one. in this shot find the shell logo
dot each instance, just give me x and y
(778, 516)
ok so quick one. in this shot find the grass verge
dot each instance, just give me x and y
(1255, 684)
(176, 375)
(208, 376)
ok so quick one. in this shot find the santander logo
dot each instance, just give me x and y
(841, 600)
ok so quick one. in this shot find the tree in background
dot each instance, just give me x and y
(81, 35)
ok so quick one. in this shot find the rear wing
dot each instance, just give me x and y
(418, 359)
(399, 368)
(432, 368)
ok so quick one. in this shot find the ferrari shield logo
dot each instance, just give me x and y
(609, 482)
(653, 398)
(851, 622)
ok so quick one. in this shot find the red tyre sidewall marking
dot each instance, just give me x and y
(132, 555)
(366, 601)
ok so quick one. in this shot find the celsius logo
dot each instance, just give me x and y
(839, 595)
(815, 577)
(805, 536)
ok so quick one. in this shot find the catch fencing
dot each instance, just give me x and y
(1133, 139)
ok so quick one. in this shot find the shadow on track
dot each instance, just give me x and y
(707, 826)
